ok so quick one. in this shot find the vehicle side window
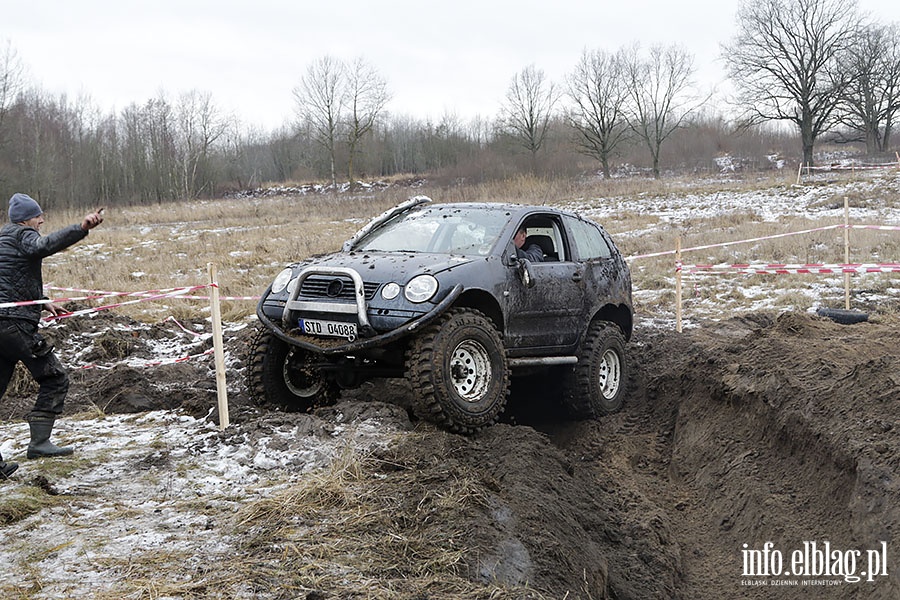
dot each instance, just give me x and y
(546, 233)
(587, 240)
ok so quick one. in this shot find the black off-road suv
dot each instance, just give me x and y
(436, 293)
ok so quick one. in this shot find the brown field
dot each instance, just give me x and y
(251, 239)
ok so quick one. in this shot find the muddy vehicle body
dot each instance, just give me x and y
(436, 293)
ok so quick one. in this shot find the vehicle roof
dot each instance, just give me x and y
(510, 207)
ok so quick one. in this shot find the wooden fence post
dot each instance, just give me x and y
(218, 349)
(678, 284)
(846, 252)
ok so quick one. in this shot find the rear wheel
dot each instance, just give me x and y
(286, 376)
(459, 371)
(596, 385)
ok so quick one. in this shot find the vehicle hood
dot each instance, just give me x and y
(390, 266)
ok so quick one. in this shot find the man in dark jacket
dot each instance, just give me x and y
(22, 248)
(533, 252)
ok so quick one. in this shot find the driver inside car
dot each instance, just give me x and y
(533, 252)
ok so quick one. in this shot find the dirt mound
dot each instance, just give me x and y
(765, 428)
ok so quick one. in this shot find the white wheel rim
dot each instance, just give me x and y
(609, 375)
(289, 372)
(470, 370)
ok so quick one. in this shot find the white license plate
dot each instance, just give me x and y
(329, 328)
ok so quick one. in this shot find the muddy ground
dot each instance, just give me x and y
(767, 427)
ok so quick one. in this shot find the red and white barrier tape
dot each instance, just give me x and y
(747, 241)
(140, 296)
(183, 328)
(85, 311)
(98, 295)
(803, 269)
(103, 294)
(767, 237)
(222, 298)
(150, 363)
(850, 167)
(876, 227)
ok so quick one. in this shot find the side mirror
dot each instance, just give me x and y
(524, 270)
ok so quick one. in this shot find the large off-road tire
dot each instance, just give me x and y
(596, 384)
(459, 371)
(284, 376)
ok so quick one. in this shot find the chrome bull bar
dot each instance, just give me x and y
(359, 307)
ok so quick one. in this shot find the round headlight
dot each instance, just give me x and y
(421, 288)
(293, 285)
(281, 281)
(390, 291)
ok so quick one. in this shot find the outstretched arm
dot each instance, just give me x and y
(92, 220)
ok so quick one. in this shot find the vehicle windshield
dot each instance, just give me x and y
(438, 230)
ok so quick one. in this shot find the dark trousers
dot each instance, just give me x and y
(20, 341)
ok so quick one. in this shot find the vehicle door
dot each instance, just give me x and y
(543, 318)
(600, 270)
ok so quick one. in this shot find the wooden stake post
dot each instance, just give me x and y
(678, 285)
(846, 252)
(218, 347)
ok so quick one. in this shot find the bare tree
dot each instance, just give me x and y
(872, 98)
(528, 108)
(200, 125)
(11, 82)
(661, 94)
(319, 98)
(599, 91)
(784, 64)
(366, 97)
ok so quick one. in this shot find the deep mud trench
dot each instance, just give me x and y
(769, 431)
(766, 429)
(778, 429)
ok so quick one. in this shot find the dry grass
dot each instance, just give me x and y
(347, 529)
(343, 531)
(25, 501)
(251, 239)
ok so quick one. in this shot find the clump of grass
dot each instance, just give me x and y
(21, 383)
(345, 530)
(23, 501)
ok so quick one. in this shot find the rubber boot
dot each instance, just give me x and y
(41, 445)
(7, 468)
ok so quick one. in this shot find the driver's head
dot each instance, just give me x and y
(519, 238)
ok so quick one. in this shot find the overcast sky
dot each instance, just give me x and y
(437, 57)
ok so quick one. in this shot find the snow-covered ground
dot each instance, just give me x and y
(818, 200)
(157, 488)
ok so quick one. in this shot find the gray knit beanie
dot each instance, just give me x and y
(22, 207)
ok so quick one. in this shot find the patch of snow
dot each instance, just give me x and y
(158, 484)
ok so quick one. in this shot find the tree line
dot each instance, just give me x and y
(819, 66)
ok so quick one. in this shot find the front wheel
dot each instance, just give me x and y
(459, 371)
(285, 376)
(596, 385)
